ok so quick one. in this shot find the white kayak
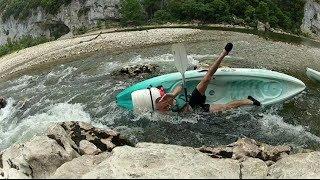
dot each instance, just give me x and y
(313, 74)
(230, 84)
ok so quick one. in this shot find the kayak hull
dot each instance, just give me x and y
(313, 74)
(229, 84)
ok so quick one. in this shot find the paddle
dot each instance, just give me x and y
(181, 63)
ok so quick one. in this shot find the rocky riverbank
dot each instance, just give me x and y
(79, 150)
(69, 49)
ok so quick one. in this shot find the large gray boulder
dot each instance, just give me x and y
(297, 166)
(37, 158)
(79, 166)
(149, 160)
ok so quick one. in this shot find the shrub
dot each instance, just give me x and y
(24, 42)
(162, 16)
(132, 12)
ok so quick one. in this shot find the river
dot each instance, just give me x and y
(85, 90)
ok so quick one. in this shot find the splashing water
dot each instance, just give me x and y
(85, 90)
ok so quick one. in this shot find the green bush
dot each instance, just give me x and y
(162, 16)
(218, 11)
(80, 30)
(250, 14)
(152, 6)
(24, 42)
(21, 9)
(132, 12)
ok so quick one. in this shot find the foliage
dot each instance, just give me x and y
(132, 12)
(285, 14)
(24, 42)
(162, 16)
(21, 9)
(80, 30)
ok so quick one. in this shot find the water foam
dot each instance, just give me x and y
(13, 131)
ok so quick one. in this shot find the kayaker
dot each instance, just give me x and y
(168, 101)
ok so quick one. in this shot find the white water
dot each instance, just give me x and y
(85, 91)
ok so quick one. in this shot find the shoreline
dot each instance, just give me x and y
(112, 40)
(62, 50)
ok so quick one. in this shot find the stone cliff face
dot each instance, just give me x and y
(86, 14)
(78, 14)
(311, 20)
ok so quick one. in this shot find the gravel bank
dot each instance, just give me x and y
(61, 50)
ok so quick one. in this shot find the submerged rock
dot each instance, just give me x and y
(136, 70)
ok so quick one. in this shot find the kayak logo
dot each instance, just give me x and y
(211, 92)
(228, 70)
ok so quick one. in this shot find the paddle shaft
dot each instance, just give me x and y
(184, 87)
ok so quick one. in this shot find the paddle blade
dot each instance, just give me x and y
(180, 57)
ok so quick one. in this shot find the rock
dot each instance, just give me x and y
(239, 21)
(267, 26)
(79, 166)
(108, 143)
(245, 147)
(297, 166)
(261, 26)
(79, 131)
(37, 158)
(253, 168)
(59, 134)
(219, 152)
(269, 163)
(1, 174)
(16, 174)
(149, 160)
(88, 148)
(273, 153)
(310, 23)
(136, 70)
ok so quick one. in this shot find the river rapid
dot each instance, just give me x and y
(84, 90)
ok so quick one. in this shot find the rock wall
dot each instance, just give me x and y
(311, 20)
(77, 15)
(85, 14)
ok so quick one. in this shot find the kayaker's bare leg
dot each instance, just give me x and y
(234, 104)
(202, 86)
(231, 105)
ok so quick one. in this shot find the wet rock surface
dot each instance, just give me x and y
(248, 148)
(43, 155)
(80, 150)
(136, 70)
